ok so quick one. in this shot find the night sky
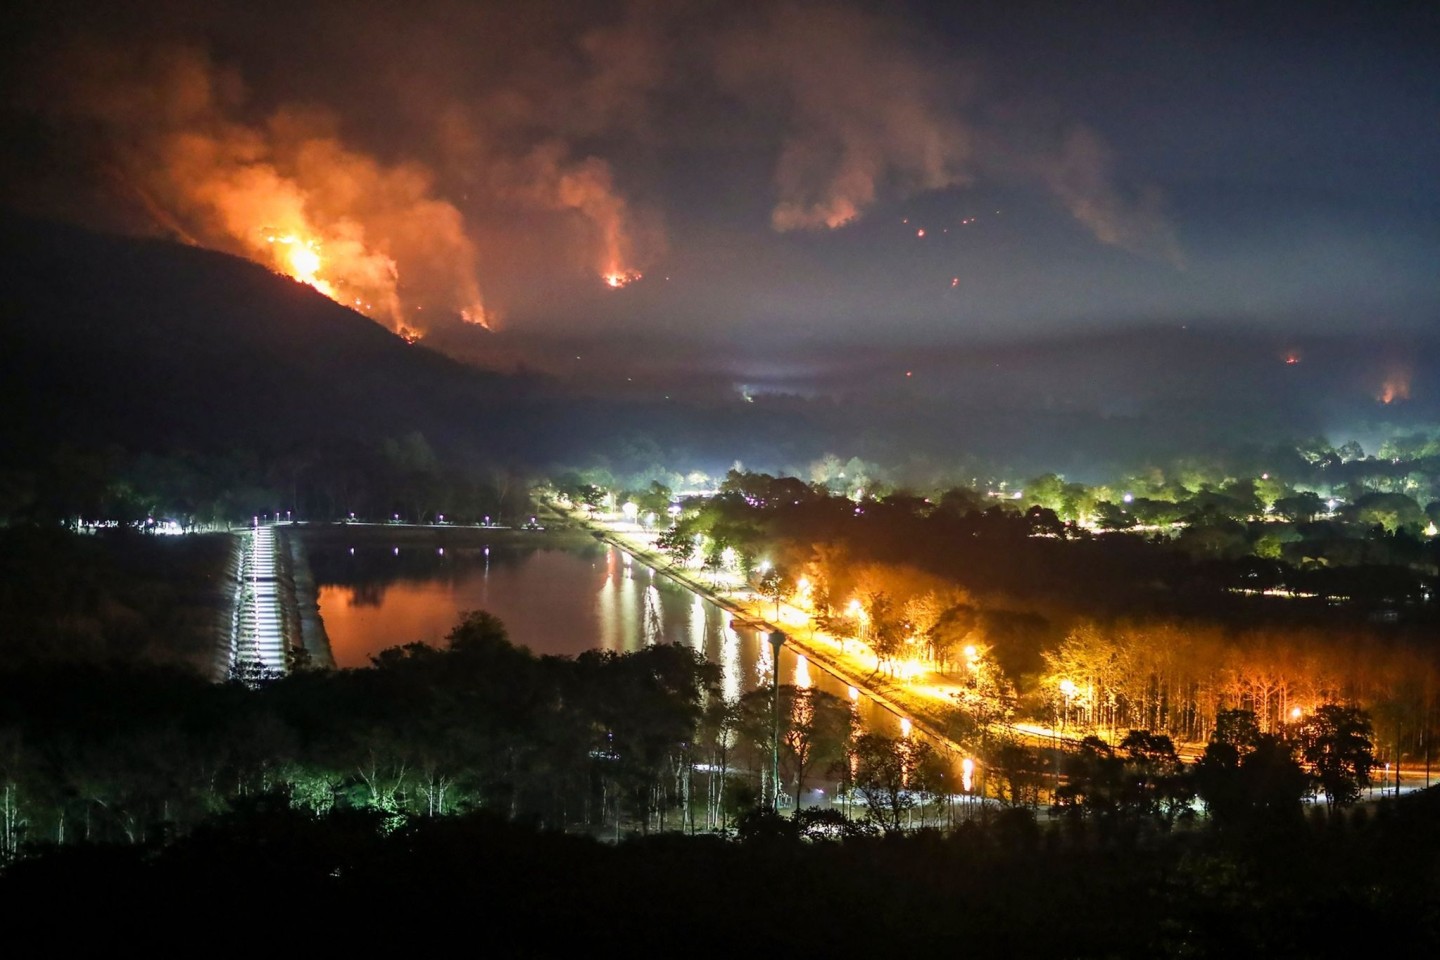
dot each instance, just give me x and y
(768, 168)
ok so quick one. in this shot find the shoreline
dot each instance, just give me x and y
(753, 619)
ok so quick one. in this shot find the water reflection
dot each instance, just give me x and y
(764, 664)
(802, 672)
(654, 621)
(555, 596)
(731, 675)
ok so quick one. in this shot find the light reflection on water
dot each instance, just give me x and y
(561, 599)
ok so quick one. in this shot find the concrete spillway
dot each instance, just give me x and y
(275, 624)
(258, 634)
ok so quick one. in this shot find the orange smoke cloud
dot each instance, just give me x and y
(285, 191)
(588, 188)
(548, 179)
(863, 114)
(866, 117)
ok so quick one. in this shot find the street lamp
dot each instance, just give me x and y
(777, 640)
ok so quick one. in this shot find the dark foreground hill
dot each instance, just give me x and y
(152, 345)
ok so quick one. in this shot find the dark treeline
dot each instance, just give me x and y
(129, 753)
(1333, 885)
(400, 478)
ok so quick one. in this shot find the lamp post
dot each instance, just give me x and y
(777, 640)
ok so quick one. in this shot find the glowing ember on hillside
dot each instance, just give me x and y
(620, 278)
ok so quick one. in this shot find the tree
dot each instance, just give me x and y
(887, 772)
(1047, 491)
(884, 630)
(1393, 511)
(655, 499)
(1019, 773)
(1301, 508)
(817, 735)
(1337, 743)
(1156, 782)
(677, 543)
(1247, 778)
(776, 586)
(815, 730)
(951, 629)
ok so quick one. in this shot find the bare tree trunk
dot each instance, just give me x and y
(9, 823)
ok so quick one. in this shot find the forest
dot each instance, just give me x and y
(1096, 630)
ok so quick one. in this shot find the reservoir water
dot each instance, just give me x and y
(557, 593)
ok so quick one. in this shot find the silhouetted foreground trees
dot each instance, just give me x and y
(479, 776)
(132, 753)
(1335, 886)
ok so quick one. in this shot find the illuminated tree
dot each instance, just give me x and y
(776, 586)
(884, 629)
(1047, 490)
(678, 543)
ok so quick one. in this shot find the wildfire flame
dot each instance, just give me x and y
(616, 279)
(300, 260)
(1396, 387)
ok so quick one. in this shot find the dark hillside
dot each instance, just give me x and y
(152, 345)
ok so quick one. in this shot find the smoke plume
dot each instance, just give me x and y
(1080, 175)
(863, 114)
(283, 189)
(402, 160)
